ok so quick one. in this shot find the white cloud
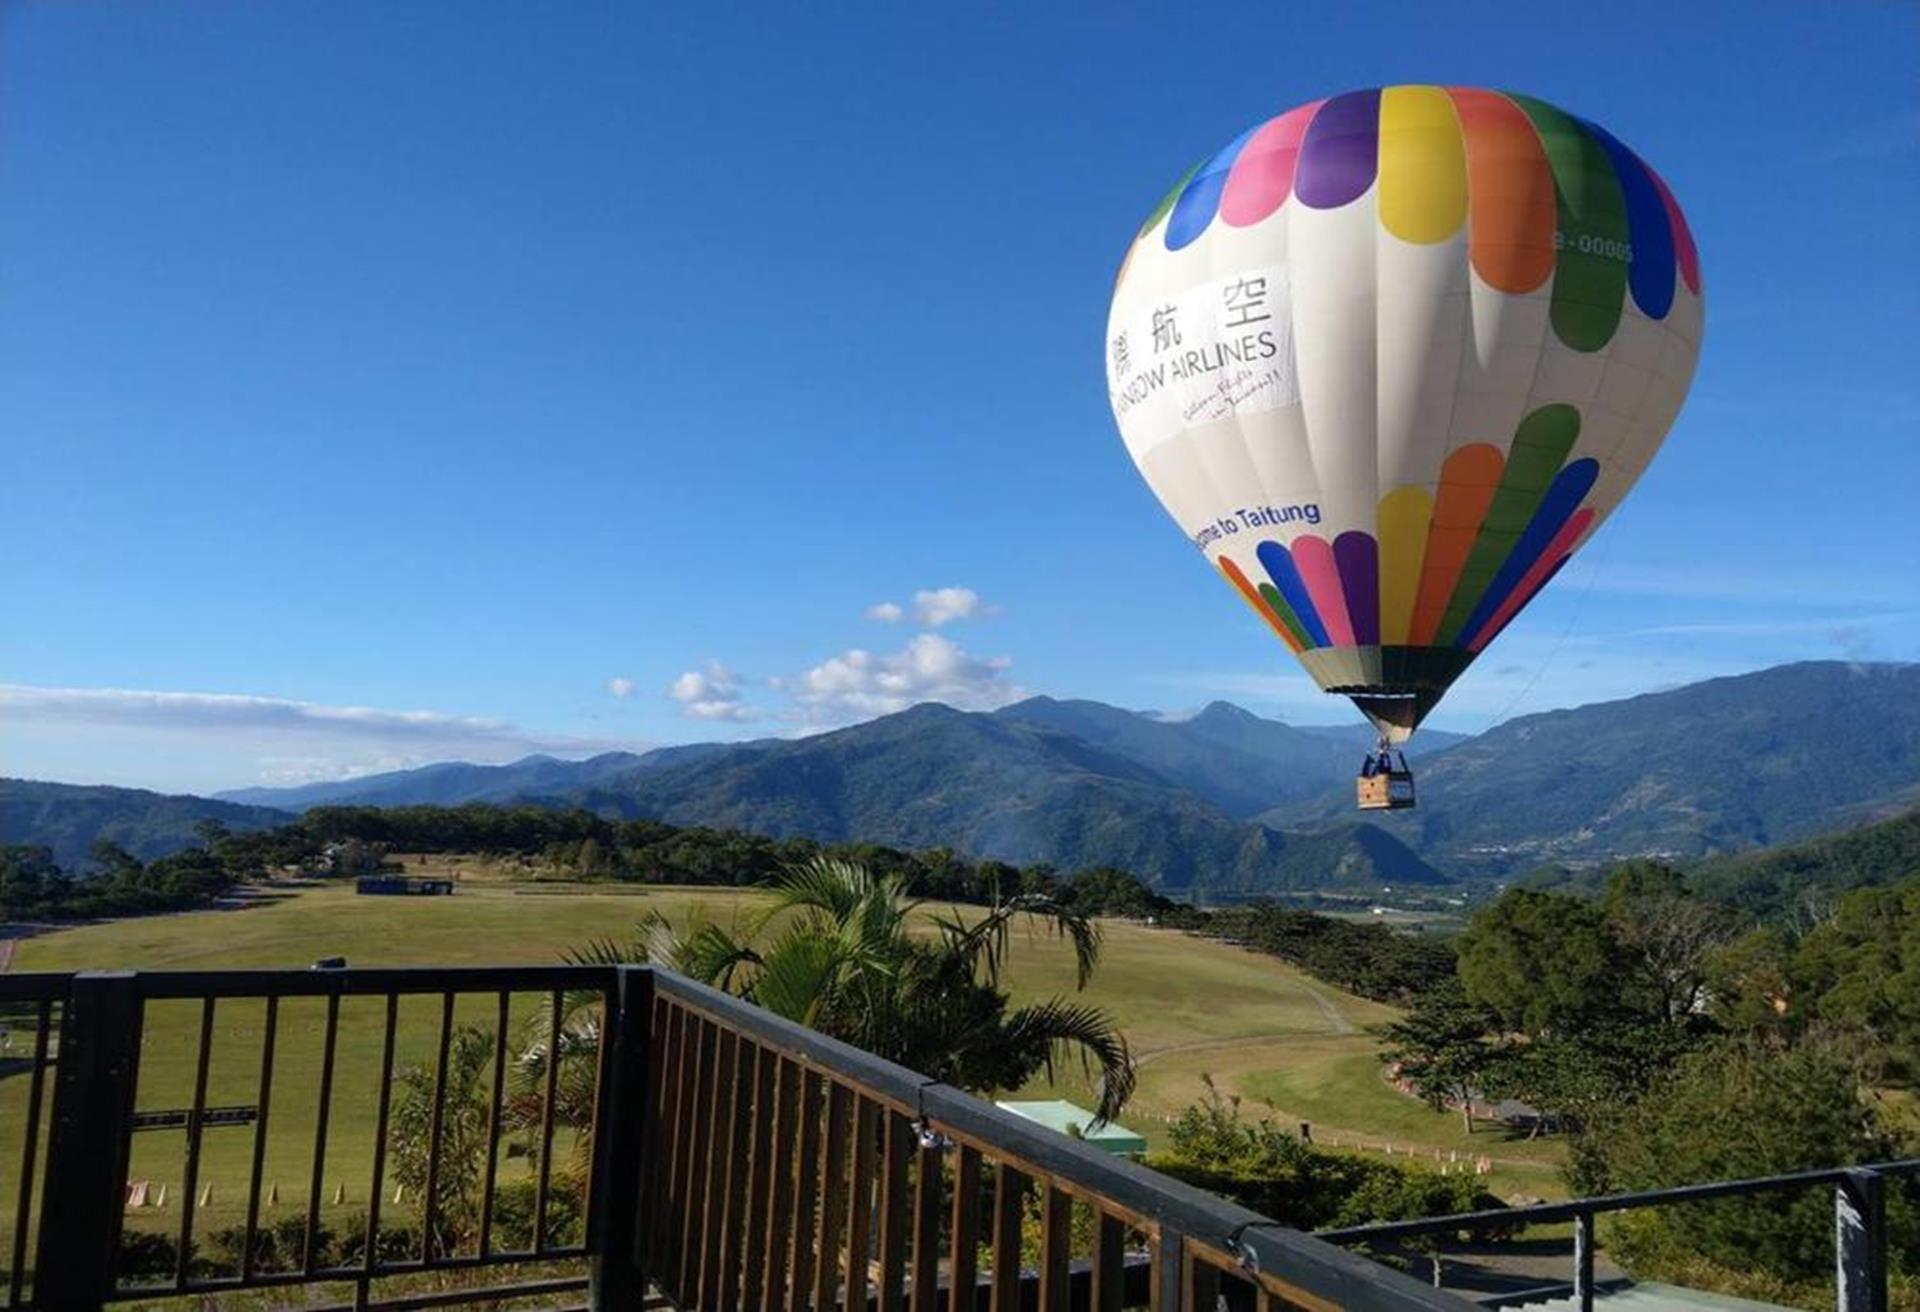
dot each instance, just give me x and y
(1774, 588)
(937, 606)
(291, 771)
(220, 710)
(621, 687)
(887, 612)
(1832, 628)
(858, 684)
(711, 693)
(283, 739)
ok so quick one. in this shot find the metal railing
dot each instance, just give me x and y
(81, 1244)
(40, 1001)
(1859, 1233)
(729, 1159)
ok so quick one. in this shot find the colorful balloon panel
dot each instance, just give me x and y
(1391, 357)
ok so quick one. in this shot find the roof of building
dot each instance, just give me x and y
(1651, 1296)
(1067, 1118)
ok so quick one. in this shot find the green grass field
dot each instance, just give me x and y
(1290, 1046)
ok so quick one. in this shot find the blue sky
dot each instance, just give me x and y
(382, 383)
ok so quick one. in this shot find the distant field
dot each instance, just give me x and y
(1190, 1007)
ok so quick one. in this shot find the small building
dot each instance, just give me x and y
(400, 885)
(1077, 1122)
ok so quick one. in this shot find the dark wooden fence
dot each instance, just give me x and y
(790, 1171)
(725, 1159)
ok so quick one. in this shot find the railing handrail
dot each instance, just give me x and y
(1574, 1208)
(1254, 1241)
(23, 986)
(314, 981)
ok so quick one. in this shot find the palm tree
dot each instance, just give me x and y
(836, 951)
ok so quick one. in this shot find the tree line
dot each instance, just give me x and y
(1368, 959)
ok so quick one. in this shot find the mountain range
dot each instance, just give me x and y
(1227, 801)
(1725, 765)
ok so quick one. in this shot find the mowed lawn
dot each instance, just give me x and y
(1292, 1047)
(482, 925)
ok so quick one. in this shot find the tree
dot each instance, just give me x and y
(111, 859)
(1860, 972)
(1573, 1077)
(464, 1112)
(1667, 934)
(834, 951)
(1541, 963)
(1441, 1047)
(1749, 988)
(1736, 1109)
(31, 883)
(211, 833)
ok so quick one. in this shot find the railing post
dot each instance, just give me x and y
(1169, 1291)
(1583, 1262)
(616, 1266)
(1860, 1242)
(93, 1092)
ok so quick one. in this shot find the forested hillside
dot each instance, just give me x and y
(1777, 882)
(69, 819)
(1721, 766)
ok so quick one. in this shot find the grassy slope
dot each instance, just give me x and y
(1189, 1006)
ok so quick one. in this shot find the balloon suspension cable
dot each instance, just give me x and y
(1579, 608)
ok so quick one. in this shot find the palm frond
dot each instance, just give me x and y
(983, 943)
(655, 939)
(1057, 1028)
(714, 955)
(607, 952)
(831, 885)
(799, 977)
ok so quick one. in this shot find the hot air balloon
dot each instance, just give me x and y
(1389, 360)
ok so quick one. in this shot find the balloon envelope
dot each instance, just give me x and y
(1391, 358)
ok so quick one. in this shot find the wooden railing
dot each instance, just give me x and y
(732, 1159)
(791, 1171)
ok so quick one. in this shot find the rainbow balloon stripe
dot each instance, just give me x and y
(1446, 570)
(1554, 196)
(1390, 358)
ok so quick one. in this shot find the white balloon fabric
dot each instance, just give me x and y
(1391, 358)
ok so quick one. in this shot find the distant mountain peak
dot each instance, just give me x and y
(1225, 710)
(1037, 700)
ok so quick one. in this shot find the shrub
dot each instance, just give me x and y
(1259, 1165)
(513, 1206)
